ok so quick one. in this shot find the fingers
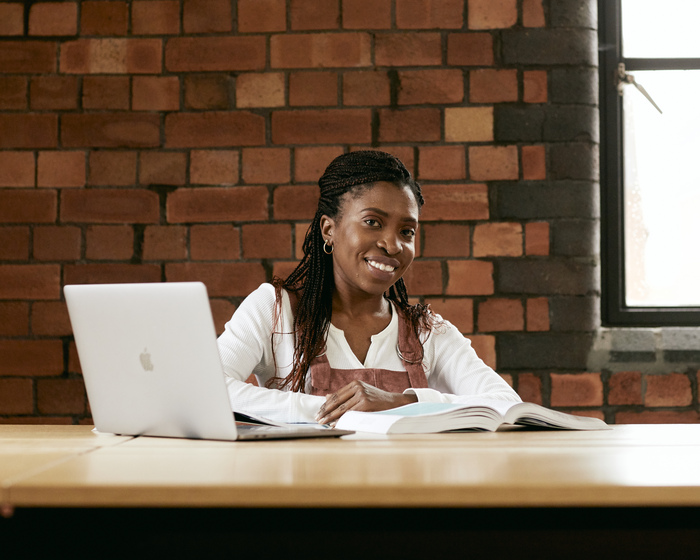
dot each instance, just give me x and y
(340, 402)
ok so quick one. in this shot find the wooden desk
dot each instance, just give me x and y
(637, 482)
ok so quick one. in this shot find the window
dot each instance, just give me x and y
(650, 162)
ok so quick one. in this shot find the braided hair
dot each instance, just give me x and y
(311, 284)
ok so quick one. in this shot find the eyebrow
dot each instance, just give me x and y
(385, 214)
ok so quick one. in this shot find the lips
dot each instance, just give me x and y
(383, 264)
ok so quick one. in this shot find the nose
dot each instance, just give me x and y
(389, 243)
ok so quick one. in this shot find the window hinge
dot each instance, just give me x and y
(624, 78)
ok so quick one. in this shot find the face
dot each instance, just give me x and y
(373, 238)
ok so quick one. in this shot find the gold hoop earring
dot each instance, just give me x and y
(325, 250)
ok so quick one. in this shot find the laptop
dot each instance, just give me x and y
(151, 364)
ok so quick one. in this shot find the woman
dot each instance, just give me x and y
(339, 333)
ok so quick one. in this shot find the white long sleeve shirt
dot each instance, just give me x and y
(246, 346)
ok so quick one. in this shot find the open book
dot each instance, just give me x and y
(475, 414)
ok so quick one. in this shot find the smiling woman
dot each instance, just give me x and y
(339, 333)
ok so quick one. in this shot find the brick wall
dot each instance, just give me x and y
(172, 140)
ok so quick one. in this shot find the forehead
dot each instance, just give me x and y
(385, 196)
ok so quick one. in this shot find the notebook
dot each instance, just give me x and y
(151, 364)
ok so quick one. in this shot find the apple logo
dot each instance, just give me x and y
(146, 362)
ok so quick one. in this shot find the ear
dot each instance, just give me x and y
(327, 227)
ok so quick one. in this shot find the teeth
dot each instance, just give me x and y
(382, 267)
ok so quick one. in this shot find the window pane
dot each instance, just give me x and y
(654, 29)
(662, 190)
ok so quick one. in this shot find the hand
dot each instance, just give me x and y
(358, 395)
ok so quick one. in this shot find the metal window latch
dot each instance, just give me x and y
(624, 78)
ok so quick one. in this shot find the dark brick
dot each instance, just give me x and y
(574, 161)
(575, 238)
(543, 351)
(562, 199)
(682, 356)
(632, 357)
(574, 313)
(573, 85)
(512, 123)
(573, 13)
(571, 123)
(571, 47)
(566, 277)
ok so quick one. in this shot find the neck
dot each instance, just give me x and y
(359, 305)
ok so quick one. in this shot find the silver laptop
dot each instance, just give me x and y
(151, 364)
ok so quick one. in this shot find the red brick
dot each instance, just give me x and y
(458, 311)
(214, 129)
(469, 124)
(113, 168)
(419, 124)
(366, 14)
(493, 163)
(485, 347)
(672, 389)
(221, 310)
(282, 269)
(14, 318)
(256, 16)
(429, 14)
(50, 318)
(442, 163)
(31, 357)
(206, 16)
(61, 169)
(534, 163)
(404, 153)
(446, 240)
(57, 243)
(533, 13)
(133, 206)
(215, 54)
(13, 92)
(295, 202)
(16, 396)
(321, 50)
(28, 131)
(408, 49)
(221, 279)
(208, 91)
(500, 314)
(11, 19)
(14, 243)
(156, 93)
(658, 417)
(498, 239)
(445, 86)
(313, 89)
(106, 92)
(470, 49)
(155, 17)
(108, 273)
(215, 243)
(300, 231)
(469, 278)
(530, 388)
(366, 87)
(329, 126)
(61, 396)
(111, 56)
(488, 85)
(162, 168)
(53, 92)
(537, 314)
(625, 387)
(310, 163)
(214, 167)
(104, 18)
(165, 243)
(53, 18)
(27, 57)
(110, 130)
(17, 207)
(266, 241)
(260, 90)
(576, 389)
(537, 239)
(424, 278)
(17, 169)
(109, 243)
(305, 15)
(455, 202)
(211, 204)
(492, 14)
(265, 165)
(535, 86)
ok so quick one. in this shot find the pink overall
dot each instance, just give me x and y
(325, 379)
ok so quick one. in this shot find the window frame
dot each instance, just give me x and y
(614, 311)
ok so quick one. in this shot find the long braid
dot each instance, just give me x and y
(312, 282)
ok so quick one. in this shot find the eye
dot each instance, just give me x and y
(371, 222)
(409, 232)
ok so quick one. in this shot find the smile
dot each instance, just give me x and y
(380, 266)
